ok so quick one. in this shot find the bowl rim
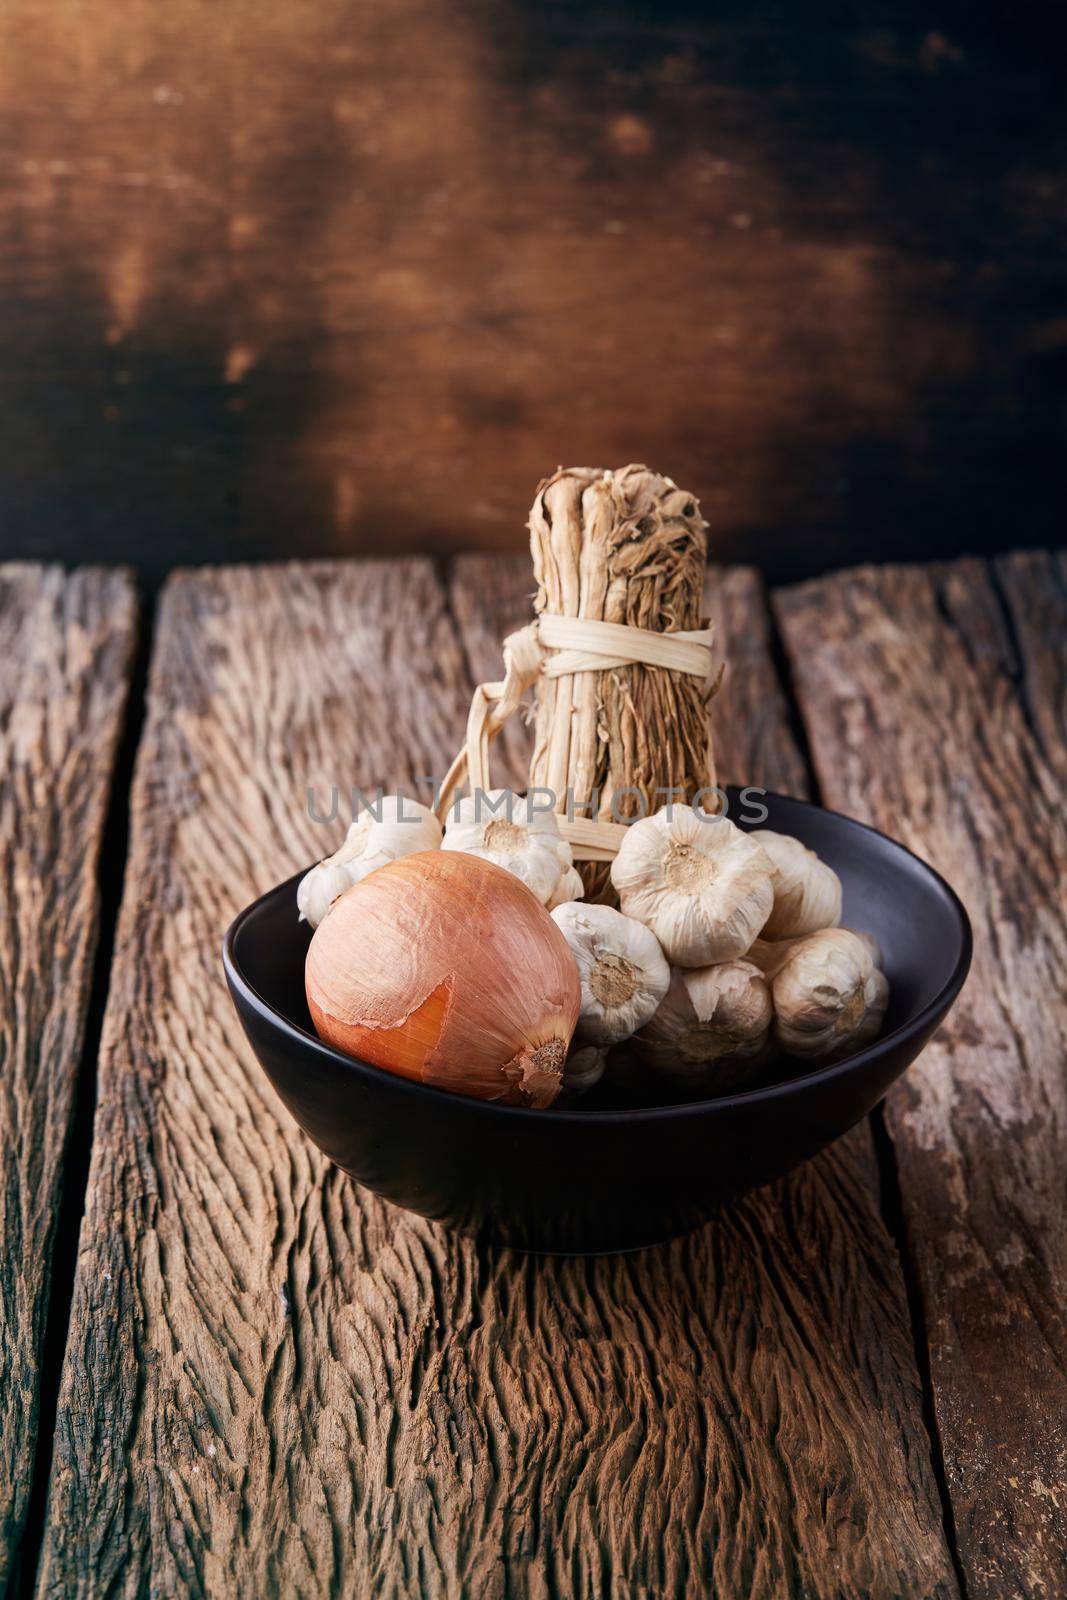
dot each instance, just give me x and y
(707, 1104)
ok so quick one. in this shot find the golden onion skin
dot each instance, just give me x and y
(445, 969)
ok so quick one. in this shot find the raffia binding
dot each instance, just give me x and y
(554, 647)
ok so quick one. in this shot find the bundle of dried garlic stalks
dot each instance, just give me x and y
(628, 548)
(619, 658)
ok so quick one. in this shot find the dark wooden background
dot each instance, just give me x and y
(347, 276)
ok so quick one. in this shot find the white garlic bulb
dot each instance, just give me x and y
(700, 884)
(319, 888)
(707, 1015)
(570, 887)
(807, 893)
(584, 1067)
(502, 827)
(829, 997)
(623, 972)
(389, 828)
(769, 954)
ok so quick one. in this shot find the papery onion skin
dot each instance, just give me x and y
(446, 969)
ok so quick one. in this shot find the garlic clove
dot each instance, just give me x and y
(444, 969)
(807, 892)
(709, 1015)
(504, 828)
(701, 885)
(386, 830)
(829, 997)
(623, 972)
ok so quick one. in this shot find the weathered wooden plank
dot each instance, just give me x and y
(1034, 588)
(925, 720)
(66, 643)
(275, 1382)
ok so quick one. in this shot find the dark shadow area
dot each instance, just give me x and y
(353, 290)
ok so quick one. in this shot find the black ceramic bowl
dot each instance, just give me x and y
(592, 1179)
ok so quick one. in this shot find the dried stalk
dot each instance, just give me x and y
(630, 547)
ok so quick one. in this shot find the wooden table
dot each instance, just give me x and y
(274, 1383)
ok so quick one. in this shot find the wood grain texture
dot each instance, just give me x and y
(838, 1192)
(276, 1383)
(938, 716)
(1033, 586)
(66, 642)
(353, 277)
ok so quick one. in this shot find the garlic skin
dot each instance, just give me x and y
(770, 954)
(807, 893)
(570, 887)
(623, 972)
(701, 885)
(403, 829)
(524, 841)
(585, 1068)
(444, 969)
(319, 888)
(872, 945)
(708, 1015)
(829, 997)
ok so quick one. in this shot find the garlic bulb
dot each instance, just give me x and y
(829, 997)
(444, 969)
(319, 888)
(622, 969)
(708, 1014)
(585, 1067)
(503, 828)
(807, 893)
(401, 827)
(770, 954)
(570, 887)
(700, 884)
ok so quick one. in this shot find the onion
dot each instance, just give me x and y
(444, 968)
